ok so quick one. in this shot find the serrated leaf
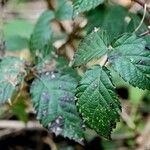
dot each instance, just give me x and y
(97, 101)
(40, 41)
(111, 19)
(64, 10)
(131, 60)
(54, 101)
(134, 23)
(11, 75)
(93, 46)
(85, 5)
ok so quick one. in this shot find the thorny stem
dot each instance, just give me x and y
(142, 4)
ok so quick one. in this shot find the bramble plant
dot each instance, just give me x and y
(68, 95)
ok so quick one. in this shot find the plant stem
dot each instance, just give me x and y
(145, 33)
(143, 5)
(144, 14)
(106, 61)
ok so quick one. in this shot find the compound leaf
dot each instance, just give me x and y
(12, 73)
(131, 60)
(54, 101)
(93, 46)
(85, 5)
(97, 101)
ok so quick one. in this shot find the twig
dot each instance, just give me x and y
(145, 33)
(143, 5)
(51, 143)
(50, 4)
(6, 133)
(126, 118)
(106, 61)
(144, 139)
(61, 50)
(10, 124)
(125, 136)
(10, 127)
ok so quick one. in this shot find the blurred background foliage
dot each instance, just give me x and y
(117, 17)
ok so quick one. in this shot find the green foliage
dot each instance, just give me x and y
(19, 109)
(134, 23)
(97, 101)
(57, 90)
(17, 39)
(85, 5)
(131, 60)
(11, 75)
(64, 10)
(53, 96)
(40, 41)
(14, 43)
(93, 46)
(110, 18)
(24, 28)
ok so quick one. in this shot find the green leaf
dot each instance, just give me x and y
(131, 60)
(85, 5)
(110, 18)
(93, 46)
(19, 110)
(12, 74)
(97, 101)
(53, 96)
(15, 43)
(64, 10)
(134, 23)
(23, 28)
(40, 41)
